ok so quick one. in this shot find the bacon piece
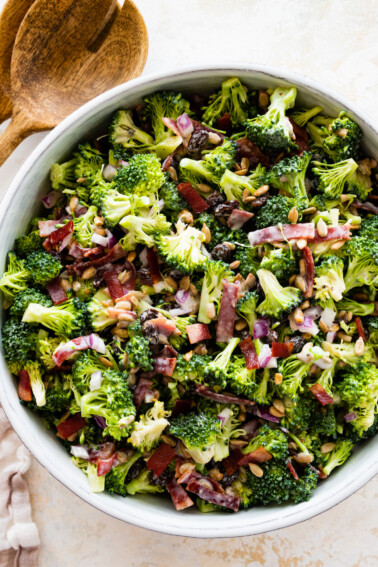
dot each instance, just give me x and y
(260, 455)
(366, 206)
(248, 349)
(238, 218)
(163, 325)
(160, 459)
(292, 470)
(221, 398)
(226, 318)
(197, 203)
(341, 232)
(106, 465)
(224, 123)
(140, 391)
(164, 365)
(282, 350)
(114, 254)
(181, 407)
(212, 496)
(46, 227)
(310, 271)
(65, 350)
(172, 125)
(101, 452)
(167, 162)
(70, 426)
(178, 494)
(113, 313)
(96, 251)
(198, 332)
(320, 394)
(65, 242)
(24, 387)
(56, 291)
(231, 463)
(113, 285)
(249, 150)
(60, 233)
(129, 285)
(285, 232)
(360, 328)
(153, 264)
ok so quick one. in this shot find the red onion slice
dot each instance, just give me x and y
(314, 312)
(100, 240)
(260, 328)
(186, 301)
(185, 126)
(51, 199)
(308, 325)
(330, 336)
(109, 172)
(265, 356)
(112, 241)
(350, 416)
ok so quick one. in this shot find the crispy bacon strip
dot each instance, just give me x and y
(341, 232)
(140, 391)
(104, 466)
(238, 218)
(178, 494)
(114, 254)
(181, 406)
(101, 452)
(360, 328)
(46, 227)
(166, 366)
(320, 394)
(221, 398)
(153, 264)
(160, 459)
(113, 285)
(224, 123)
(285, 232)
(282, 350)
(56, 291)
(59, 234)
(260, 455)
(198, 332)
(70, 426)
(197, 203)
(310, 271)
(231, 463)
(24, 386)
(169, 352)
(212, 496)
(226, 318)
(248, 349)
(65, 350)
(292, 470)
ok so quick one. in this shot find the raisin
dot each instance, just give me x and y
(144, 275)
(151, 333)
(271, 337)
(221, 252)
(215, 199)
(176, 275)
(298, 343)
(149, 314)
(197, 141)
(225, 209)
(135, 470)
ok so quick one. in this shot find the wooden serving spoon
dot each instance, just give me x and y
(10, 20)
(61, 59)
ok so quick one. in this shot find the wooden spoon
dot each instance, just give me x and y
(61, 59)
(10, 19)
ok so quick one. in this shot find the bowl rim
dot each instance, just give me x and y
(290, 516)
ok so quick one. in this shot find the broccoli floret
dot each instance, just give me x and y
(142, 176)
(83, 227)
(138, 349)
(359, 184)
(372, 326)
(96, 483)
(25, 297)
(173, 201)
(323, 421)
(369, 227)
(263, 393)
(15, 278)
(293, 371)
(46, 346)
(344, 138)
(333, 176)
(276, 211)
(19, 340)
(346, 352)
(359, 389)
(198, 432)
(112, 401)
(89, 163)
(272, 131)
(326, 377)
(241, 380)
(234, 185)
(303, 488)
(246, 308)
(219, 232)
(273, 440)
(58, 395)
(299, 413)
(166, 104)
(248, 258)
(116, 479)
(183, 249)
(84, 366)
(69, 319)
(289, 175)
(148, 430)
(358, 309)
(231, 99)
(363, 262)
(302, 116)
(273, 487)
(115, 206)
(178, 341)
(212, 166)
(98, 314)
(142, 485)
(192, 370)
(329, 280)
(142, 230)
(217, 369)
(33, 368)
(123, 132)
(212, 287)
(43, 267)
(26, 245)
(338, 456)
(278, 299)
(63, 175)
(281, 262)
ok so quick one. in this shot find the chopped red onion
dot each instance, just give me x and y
(181, 296)
(260, 328)
(224, 416)
(328, 317)
(308, 325)
(265, 356)
(172, 125)
(272, 362)
(178, 312)
(109, 172)
(101, 422)
(185, 126)
(350, 416)
(112, 241)
(123, 163)
(80, 452)
(187, 302)
(95, 381)
(96, 343)
(263, 412)
(100, 240)
(330, 336)
(50, 200)
(313, 312)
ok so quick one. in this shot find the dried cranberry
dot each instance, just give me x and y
(225, 209)
(144, 275)
(271, 337)
(260, 201)
(243, 334)
(221, 252)
(228, 480)
(159, 480)
(298, 343)
(135, 470)
(149, 314)
(215, 199)
(197, 141)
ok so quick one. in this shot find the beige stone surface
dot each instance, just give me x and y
(333, 41)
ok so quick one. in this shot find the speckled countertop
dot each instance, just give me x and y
(333, 41)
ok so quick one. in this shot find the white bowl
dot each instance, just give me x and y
(22, 202)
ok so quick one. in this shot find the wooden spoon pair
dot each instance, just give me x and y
(65, 53)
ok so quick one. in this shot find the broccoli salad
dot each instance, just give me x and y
(194, 311)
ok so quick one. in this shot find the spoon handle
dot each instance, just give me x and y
(19, 128)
